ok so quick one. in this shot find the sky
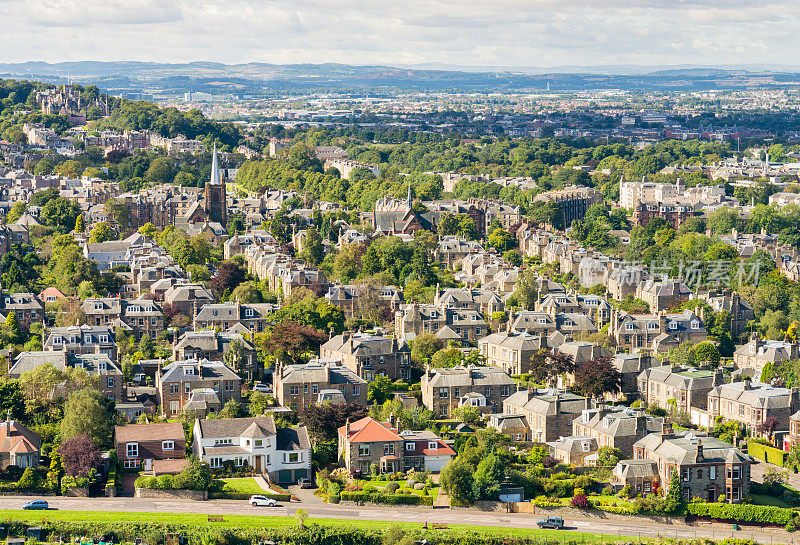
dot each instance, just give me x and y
(456, 32)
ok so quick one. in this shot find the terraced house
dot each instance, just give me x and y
(751, 404)
(549, 413)
(26, 307)
(208, 385)
(462, 325)
(253, 316)
(659, 331)
(210, 345)
(444, 390)
(138, 316)
(85, 339)
(369, 355)
(300, 385)
(673, 387)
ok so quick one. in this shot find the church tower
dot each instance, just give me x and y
(216, 207)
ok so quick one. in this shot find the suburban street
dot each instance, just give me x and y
(632, 526)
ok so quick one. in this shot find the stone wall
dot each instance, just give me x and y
(195, 495)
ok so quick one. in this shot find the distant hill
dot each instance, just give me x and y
(254, 77)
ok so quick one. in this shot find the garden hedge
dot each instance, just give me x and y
(738, 512)
(388, 499)
(768, 454)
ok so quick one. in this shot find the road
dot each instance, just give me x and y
(632, 526)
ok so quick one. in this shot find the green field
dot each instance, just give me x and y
(250, 521)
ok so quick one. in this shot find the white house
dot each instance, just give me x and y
(283, 454)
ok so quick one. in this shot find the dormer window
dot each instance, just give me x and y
(103, 339)
(651, 325)
(432, 445)
(87, 339)
(188, 370)
(98, 305)
(673, 325)
(101, 366)
(752, 348)
(542, 321)
(248, 312)
(8, 300)
(695, 324)
(56, 340)
(629, 326)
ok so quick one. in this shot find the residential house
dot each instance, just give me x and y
(110, 380)
(138, 445)
(210, 345)
(511, 351)
(19, 446)
(253, 316)
(708, 468)
(486, 388)
(752, 403)
(299, 385)
(741, 311)
(574, 450)
(367, 442)
(758, 353)
(84, 339)
(663, 295)
(424, 451)
(630, 367)
(360, 300)
(615, 427)
(549, 413)
(673, 387)
(214, 381)
(632, 331)
(641, 475)
(283, 454)
(185, 297)
(369, 355)
(513, 425)
(462, 325)
(27, 307)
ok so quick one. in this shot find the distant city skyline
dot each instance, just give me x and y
(499, 33)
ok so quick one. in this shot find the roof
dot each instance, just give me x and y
(14, 437)
(293, 439)
(469, 376)
(236, 427)
(369, 430)
(149, 432)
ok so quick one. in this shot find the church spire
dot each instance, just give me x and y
(408, 200)
(214, 167)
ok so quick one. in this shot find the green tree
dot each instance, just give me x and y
(467, 414)
(313, 250)
(674, 502)
(101, 232)
(457, 480)
(447, 357)
(423, 347)
(160, 171)
(149, 230)
(147, 347)
(501, 239)
(12, 332)
(488, 476)
(16, 212)
(80, 225)
(707, 353)
(85, 412)
(380, 389)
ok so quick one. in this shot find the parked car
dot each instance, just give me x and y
(263, 388)
(305, 483)
(262, 501)
(556, 523)
(35, 504)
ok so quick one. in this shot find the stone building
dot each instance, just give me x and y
(486, 388)
(369, 355)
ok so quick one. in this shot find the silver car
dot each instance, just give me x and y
(262, 501)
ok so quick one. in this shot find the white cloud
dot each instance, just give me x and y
(468, 32)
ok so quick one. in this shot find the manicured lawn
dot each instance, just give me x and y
(251, 521)
(763, 499)
(246, 485)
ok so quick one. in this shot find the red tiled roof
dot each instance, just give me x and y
(443, 450)
(369, 430)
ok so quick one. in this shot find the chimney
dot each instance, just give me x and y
(699, 457)
(347, 428)
(666, 431)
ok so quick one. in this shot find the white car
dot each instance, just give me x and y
(262, 501)
(263, 388)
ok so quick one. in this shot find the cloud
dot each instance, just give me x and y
(466, 32)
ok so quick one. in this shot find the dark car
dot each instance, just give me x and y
(556, 523)
(305, 483)
(35, 504)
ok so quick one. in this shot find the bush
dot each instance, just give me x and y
(388, 499)
(581, 501)
(762, 514)
(392, 487)
(334, 498)
(29, 479)
(766, 453)
(165, 482)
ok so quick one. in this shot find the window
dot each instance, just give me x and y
(735, 472)
(456, 392)
(432, 445)
(305, 388)
(314, 389)
(505, 391)
(174, 406)
(188, 370)
(410, 446)
(388, 449)
(294, 389)
(586, 446)
(695, 324)
(356, 389)
(98, 305)
(699, 473)
(132, 450)
(215, 462)
(167, 445)
(685, 474)
(363, 449)
(104, 339)
(174, 388)
(87, 339)
(187, 387)
(56, 340)
(443, 393)
(294, 457)
(687, 493)
(238, 461)
(110, 382)
(227, 441)
(651, 325)
(258, 442)
(673, 325)
(131, 464)
(248, 312)
(629, 326)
